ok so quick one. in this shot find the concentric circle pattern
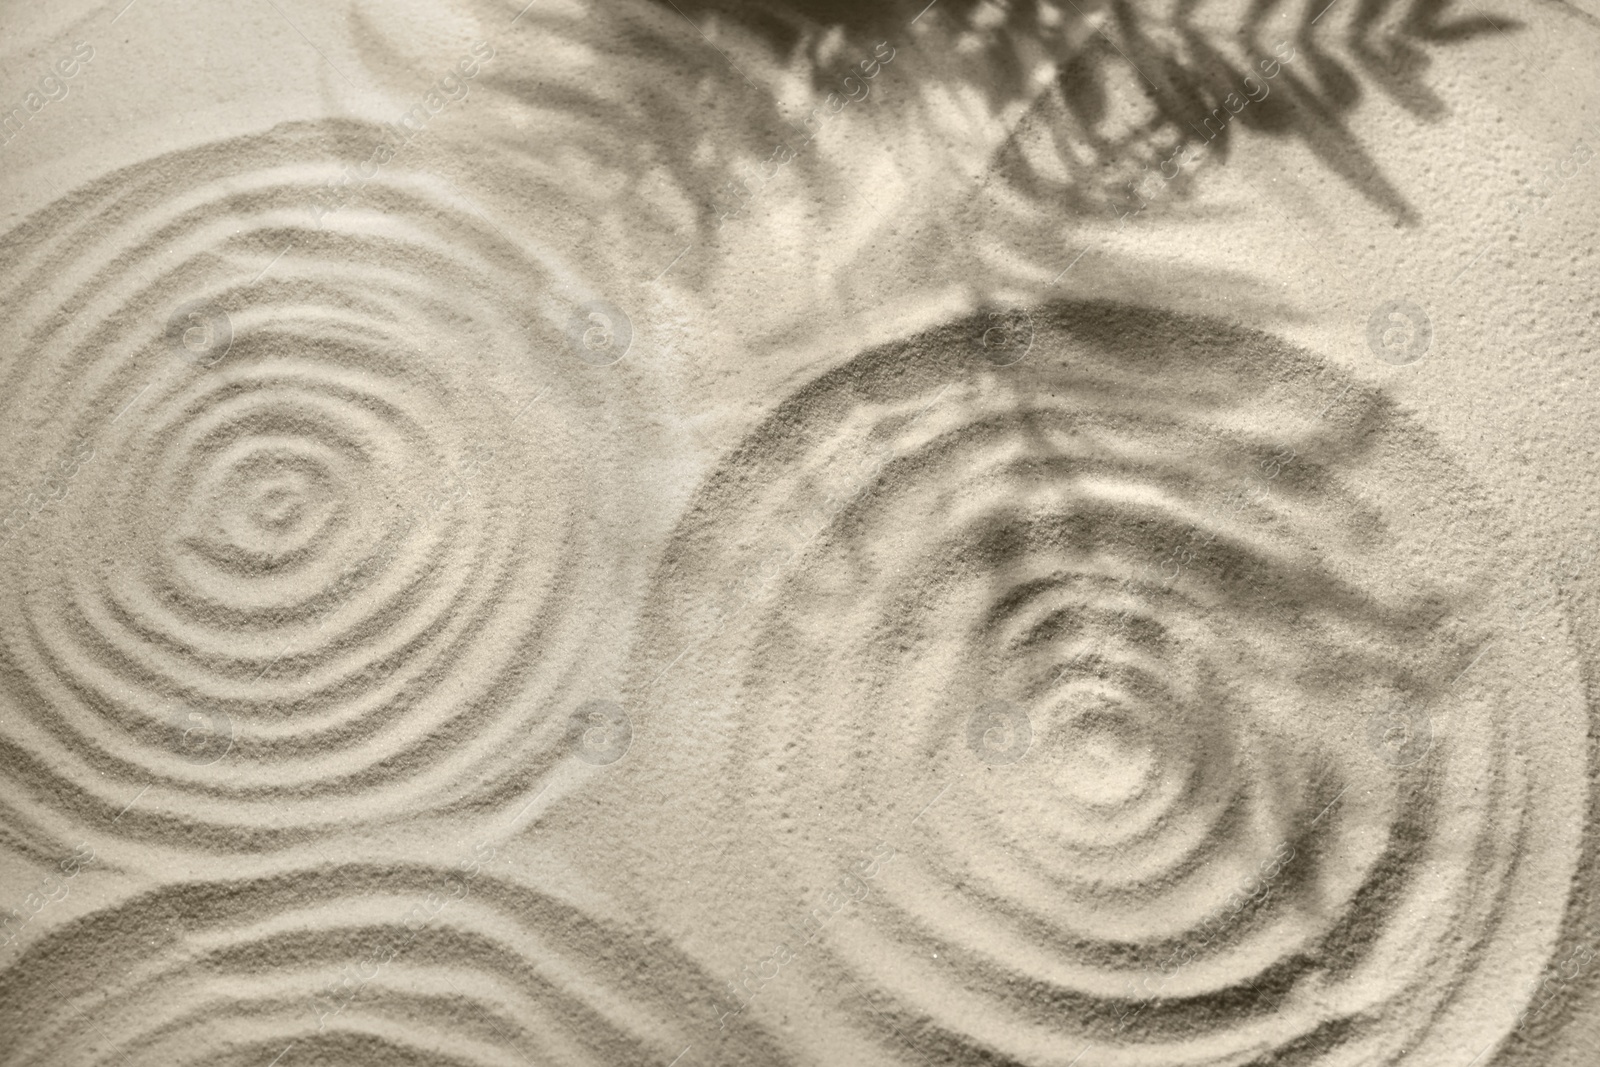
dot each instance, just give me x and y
(356, 963)
(305, 500)
(1092, 641)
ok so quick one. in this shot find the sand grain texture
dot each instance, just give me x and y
(781, 534)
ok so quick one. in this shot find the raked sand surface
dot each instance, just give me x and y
(695, 533)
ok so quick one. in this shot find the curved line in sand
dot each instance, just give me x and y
(1255, 808)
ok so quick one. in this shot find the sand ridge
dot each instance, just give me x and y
(672, 559)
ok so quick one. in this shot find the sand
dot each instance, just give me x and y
(687, 533)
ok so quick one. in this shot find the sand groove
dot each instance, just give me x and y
(368, 963)
(315, 542)
(1149, 604)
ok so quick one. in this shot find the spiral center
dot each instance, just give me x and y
(1102, 759)
(279, 503)
(275, 502)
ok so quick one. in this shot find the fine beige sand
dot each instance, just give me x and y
(691, 532)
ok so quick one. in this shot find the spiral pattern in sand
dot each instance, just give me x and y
(308, 501)
(1144, 656)
(357, 963)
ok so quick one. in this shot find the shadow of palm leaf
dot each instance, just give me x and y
(1186, 73)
